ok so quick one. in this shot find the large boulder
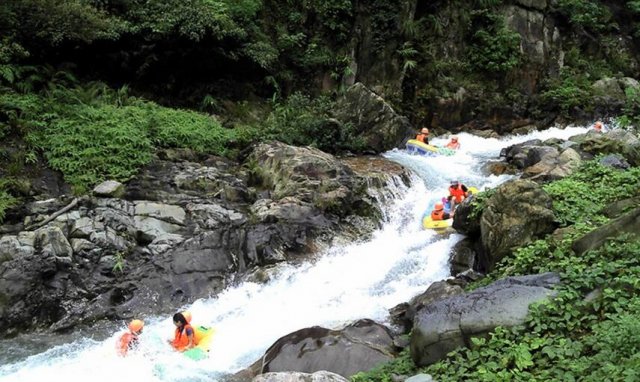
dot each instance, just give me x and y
(373, 119)
(358, 347)
(618, 141)
(610, 93)
(404, 314)
(450, 323)
(318, 376)
(517, 213)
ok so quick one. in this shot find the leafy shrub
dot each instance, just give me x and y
(6, 201)
(301, 120)
(94, 133)
(34, 22)
(631, 109)
(591, 15)
(479, 202)
(93, 144)
(182, 128)
(582, 196)
(567, 92)
(494, 47)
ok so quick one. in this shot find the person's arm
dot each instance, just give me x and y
(189, 333)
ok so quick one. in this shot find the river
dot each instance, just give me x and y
(346, 282)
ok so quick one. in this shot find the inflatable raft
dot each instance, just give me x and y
(202, 337)
(441, 226)
(422, 148)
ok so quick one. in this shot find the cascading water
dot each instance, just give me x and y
(358, 280)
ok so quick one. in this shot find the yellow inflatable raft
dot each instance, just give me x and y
(441, 226)
(202, 337)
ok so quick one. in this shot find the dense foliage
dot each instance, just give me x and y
(569, 337)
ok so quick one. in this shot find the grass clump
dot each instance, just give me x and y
(583, 196)
(93, 133)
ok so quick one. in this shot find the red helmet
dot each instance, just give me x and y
(439, 206)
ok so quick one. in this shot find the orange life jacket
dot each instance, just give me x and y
(457, 192)
(422, 137)
(181, 339)
(453, 145)
(437, 215)
(126, 342)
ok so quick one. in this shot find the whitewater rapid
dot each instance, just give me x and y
(358, 280)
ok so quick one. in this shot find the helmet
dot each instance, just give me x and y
(439, 206)
(187, 316)
(136, 325)
(454, 138)
(454, 182)
(424, 130)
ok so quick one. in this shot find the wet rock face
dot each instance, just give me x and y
(358, 347)
(373, 119)
(182, 231)
(404, 314)
(517, 213)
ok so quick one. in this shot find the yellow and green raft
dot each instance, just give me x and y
(202, 337)
(441, 226)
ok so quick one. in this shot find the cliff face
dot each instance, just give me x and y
(448, 64)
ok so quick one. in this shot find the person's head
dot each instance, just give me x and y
(454, 138)
(135, 326)
(454, 183)
(425, 131)
(439, 206)
(597, 126)
(179, 320)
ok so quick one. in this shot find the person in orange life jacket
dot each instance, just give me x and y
(438, 212)
(129, 340)
(423, 136)
(453, 143)
(457, 193)
(597, 127)
(184, 335)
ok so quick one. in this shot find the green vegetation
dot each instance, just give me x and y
(494, 47)
(479, 202)
(6, 201)
(91, 133)
(631, 110)
(570, 337)
(583, 197)
(589, 14)
(303, 121)
(568, 91)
